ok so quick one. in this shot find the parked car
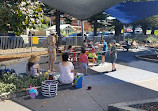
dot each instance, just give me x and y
(128, 33)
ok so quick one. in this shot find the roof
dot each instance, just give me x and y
(62, 27)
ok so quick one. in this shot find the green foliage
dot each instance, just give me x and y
(44, 26)
(14, 15)
(22, 82)
(152, 39)
(7, 87)
(94, 21)
(117, 26)
(46, 20)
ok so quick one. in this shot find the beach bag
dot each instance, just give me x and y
(49, 88)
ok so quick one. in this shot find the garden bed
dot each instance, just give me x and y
(140, 105)
(153, 46)
(153, 58)
(147, 106)
(18, 86)
(19, 56)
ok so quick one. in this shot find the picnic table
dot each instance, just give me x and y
(127, 46)
(74, 55)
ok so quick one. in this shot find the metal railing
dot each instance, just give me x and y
(78, 40)
(17, 44)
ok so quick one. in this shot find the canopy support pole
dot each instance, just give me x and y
(123, 32)
(82, 24)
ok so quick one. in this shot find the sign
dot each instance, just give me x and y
(156, 32)
(148, 32)
(34, 40)
(122, 31)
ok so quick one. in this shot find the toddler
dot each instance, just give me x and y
(83, 60)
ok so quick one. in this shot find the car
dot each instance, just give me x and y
(138, 31)
(107, 34)
(128, 33)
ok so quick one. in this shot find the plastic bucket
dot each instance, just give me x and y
(32, 95)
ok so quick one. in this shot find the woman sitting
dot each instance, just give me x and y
(66, 70)
(33, 68)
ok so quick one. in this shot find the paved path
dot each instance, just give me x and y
(132, 81)
(9, 105)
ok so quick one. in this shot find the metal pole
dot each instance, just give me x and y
(123, 32)
(78, 25)
(50, 22)
(82, 22)
(31, 43)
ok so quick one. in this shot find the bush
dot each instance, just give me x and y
(7, 87)
(152, 39)
(22, 82)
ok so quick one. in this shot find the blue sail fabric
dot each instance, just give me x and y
(132, 11)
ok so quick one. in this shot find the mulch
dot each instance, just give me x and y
(154, 57)
(19, 56)
(148, 106)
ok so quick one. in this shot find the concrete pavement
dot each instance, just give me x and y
(9, 105)
(134, 80)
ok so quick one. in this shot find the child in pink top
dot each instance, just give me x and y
(83, 60)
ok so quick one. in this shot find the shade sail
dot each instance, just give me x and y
(81, 9)
(132, 11)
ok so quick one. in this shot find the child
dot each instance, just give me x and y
(83, 60)
(65, 48)
(92, 55)
(113, 54)
(69, 50)
(104, 46)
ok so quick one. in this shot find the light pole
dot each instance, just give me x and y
(83, 29)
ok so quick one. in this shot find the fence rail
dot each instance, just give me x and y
(79, 40)
(12, 45)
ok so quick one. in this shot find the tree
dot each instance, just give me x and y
(118, 27)
(151, 22)
(9, 13)
(94, 21)
(57, 21)
(18, 15)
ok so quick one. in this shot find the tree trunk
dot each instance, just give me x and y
(144, 28)
(57, 20)
(117, 30)
(95, 28)
(152, 31)
(133, 29)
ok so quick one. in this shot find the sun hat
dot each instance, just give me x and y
(34, 58)
(52, 32)
(113, 41)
